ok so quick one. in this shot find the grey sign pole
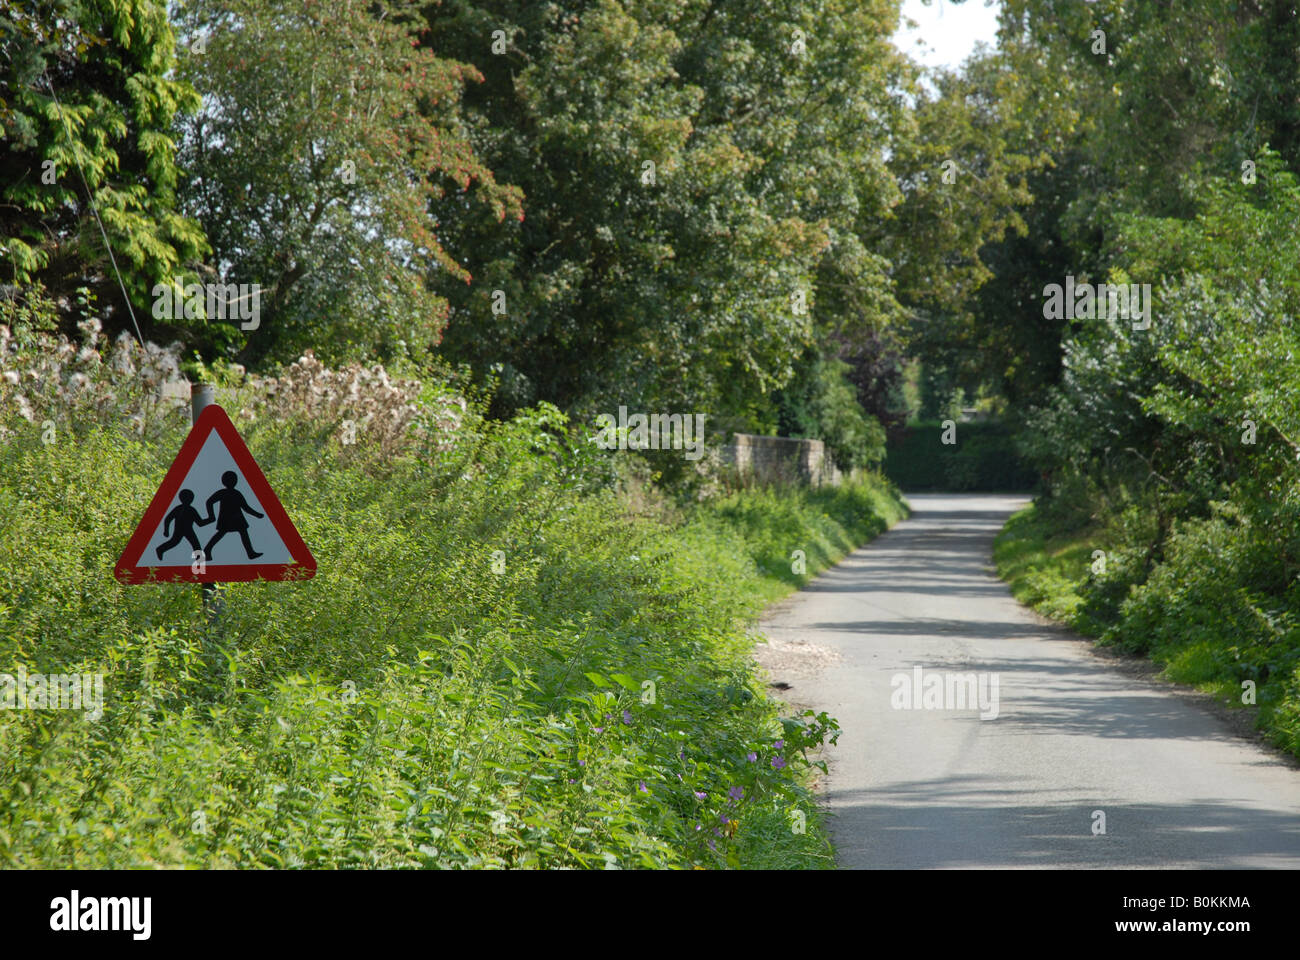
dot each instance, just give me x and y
(201, 395)
(204, 395)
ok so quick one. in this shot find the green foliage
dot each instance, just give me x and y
(962, 173)
(588, 701)
(1043, 568)
(1142, 108)
(823, 405)
(983, 458)
(1199, 408)
(695, 205)
(108, 118)
(1174, 447)
(670, 213)
(783, 145)
(755, 533)
(324, 139)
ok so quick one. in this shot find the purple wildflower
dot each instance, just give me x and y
(752, 757)
(627, 717)
(701, 796)
(778, 762)
(780, 744)
(735, 793)
(642, 787)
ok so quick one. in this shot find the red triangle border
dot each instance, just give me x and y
(214, 418)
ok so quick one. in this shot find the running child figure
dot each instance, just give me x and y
(184, 517)
(231, 518)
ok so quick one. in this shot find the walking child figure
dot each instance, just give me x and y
(231, 518)
(184, 517)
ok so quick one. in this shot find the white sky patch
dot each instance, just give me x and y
(948, 32)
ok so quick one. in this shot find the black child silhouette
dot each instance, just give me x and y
(231, 518)
(184, 517)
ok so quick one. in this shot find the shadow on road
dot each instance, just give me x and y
(965, 821)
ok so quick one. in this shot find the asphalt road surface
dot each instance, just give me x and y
(1074, 732)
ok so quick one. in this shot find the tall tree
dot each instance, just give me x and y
(326, 136)
(696, 176)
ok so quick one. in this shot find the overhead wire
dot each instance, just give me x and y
(94, 209)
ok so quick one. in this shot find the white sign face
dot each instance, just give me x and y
(214, 518)
(216, 513)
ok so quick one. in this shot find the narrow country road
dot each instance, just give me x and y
(1074, 733)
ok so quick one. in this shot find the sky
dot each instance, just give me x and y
(949, 31)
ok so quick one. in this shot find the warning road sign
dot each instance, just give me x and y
(214, 518)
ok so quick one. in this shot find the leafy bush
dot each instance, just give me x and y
(824, 406)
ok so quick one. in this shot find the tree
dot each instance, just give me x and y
(88, 112)
(326, 136)
(696, 175)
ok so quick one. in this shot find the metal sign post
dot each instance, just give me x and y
(204, 395)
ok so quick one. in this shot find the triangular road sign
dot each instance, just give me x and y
(214, 518)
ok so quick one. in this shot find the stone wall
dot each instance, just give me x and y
(759, 459)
